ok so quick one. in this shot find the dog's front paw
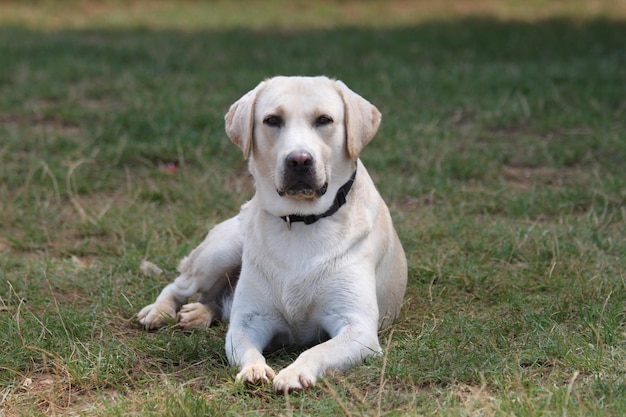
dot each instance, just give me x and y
(294, 379)
(156, 315)
(255, 374)
(195, 316)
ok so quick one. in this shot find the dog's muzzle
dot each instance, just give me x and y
(300, 177)
(303, 190)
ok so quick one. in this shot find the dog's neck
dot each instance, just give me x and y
(340, 200)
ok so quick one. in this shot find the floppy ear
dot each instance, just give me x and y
(240, 120)
(361, 119)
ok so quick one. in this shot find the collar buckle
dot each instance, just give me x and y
(288, 221)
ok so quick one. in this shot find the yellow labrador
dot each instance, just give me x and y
(313, 259)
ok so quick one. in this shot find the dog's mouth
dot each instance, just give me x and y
(303, 191)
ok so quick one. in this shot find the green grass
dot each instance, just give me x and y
(502, 155)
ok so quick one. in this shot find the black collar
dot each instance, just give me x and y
(340, 200)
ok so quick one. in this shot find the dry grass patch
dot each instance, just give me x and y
(159, 14)
(525, 178)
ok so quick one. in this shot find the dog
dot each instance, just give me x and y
(313, 258)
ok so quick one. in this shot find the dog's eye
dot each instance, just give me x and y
(323, 121)
(273, 121)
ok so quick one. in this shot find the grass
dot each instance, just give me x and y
(502, 155)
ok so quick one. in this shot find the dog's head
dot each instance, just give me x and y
(302, 136)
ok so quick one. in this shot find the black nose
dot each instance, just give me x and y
(299, 159)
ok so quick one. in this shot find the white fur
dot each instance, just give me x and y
(330, 284)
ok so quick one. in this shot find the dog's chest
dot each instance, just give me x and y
(299, 271)
(302, 308)
(299, 285)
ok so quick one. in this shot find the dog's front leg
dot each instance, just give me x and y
(350, 346)
(248, 334)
